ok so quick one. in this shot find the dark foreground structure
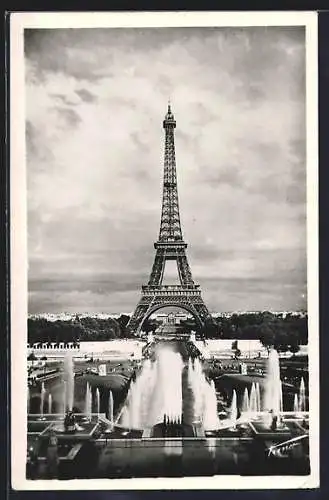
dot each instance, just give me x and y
(97, 449)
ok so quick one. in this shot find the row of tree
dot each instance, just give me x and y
(283, 332)
(78, 329)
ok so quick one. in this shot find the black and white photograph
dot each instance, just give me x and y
(164, 250)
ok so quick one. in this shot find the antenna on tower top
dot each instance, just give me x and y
(169, 105)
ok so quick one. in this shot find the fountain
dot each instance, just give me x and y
(210, 416)
(302, 396)
(281, 398)
(110, 407)
(168, 395)
(155, 397)
(50, 403)
(64, 397)
(233, 410)
(253, 404)
(203, 397)
(68, 377)
(42, 398)
(273, 389)
(258, 398)
(296, 403)
(136, 412)
(88, 401)
(245, 403)
(135, 397)
(155, 392)
(124, 419)
(98, 401)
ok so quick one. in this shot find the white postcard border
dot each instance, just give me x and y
(18, 238)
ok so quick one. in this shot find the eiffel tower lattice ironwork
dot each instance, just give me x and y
(170, 246)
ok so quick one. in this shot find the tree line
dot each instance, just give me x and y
(282, 331)
(77, 329)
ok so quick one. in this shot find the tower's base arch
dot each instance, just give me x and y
(160, 307)
(188, 299)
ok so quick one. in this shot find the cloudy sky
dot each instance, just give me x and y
(95, 101)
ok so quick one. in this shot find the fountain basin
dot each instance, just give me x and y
(84, 431)
(161, 430)
(54, 424)
(259, 428)
(114, 382)
(119, 432)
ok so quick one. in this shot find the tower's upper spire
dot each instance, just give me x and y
(170, 228)
(169, 120)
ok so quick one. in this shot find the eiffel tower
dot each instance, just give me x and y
(170, 246)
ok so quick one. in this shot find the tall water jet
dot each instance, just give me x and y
(258, 399)
(210, 416)
(124, 419)
(253, 404)
(98, 401)
(50, 403)
(190, 373)
(69, 379)
(233, 410)
(272, 396)
(87, 409)
(135, 405)
(281, 398)
(179, 392)
(245, 402)
(64, 398)
(42, 398)
(198, 383)
(157, 391)
(136, 412)
(110, 408)
(302, 396)
(168, 395)
(148, 380)
(296, 403)
(197, 366)
(90, 405)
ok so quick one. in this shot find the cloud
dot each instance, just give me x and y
(95, 145)
(70, 116)
(85, 95)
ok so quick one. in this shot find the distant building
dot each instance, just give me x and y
(172, 318)
(119, 349)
